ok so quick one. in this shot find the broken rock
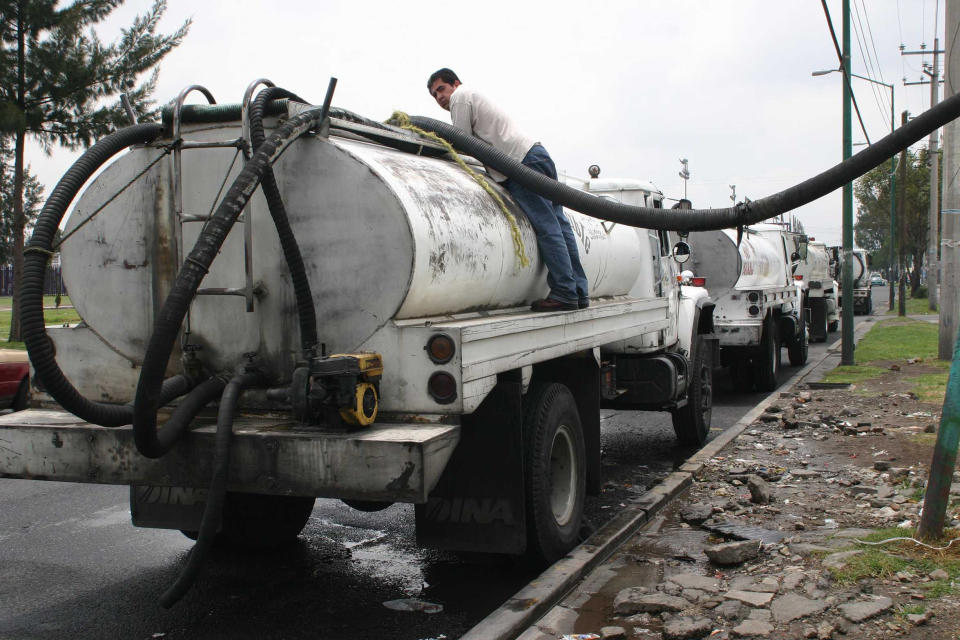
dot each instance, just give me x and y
(731, 553)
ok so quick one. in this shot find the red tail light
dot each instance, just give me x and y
(698, 281)
(798, 278)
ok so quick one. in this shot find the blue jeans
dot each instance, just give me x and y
(558, 248)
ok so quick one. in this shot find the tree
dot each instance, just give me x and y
(57, 80)
(33, 199)
(872, 230)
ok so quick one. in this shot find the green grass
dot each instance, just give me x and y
(908, 609)
(48, 301)
(50, 317)
(898, 339)
(885, 560)
(914, 307)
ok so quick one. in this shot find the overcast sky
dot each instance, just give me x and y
(631, 86)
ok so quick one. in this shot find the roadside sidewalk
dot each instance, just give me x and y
(762, 541)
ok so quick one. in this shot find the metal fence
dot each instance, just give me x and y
(52, 281)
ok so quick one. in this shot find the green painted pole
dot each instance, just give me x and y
(891, 269)
(937, 497)
(893, 208)
(846, 345)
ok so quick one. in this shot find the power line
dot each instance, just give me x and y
(865, 53)
(836, 45)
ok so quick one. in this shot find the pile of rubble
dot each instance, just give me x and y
(754, 548)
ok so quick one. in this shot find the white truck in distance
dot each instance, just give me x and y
(758, 302)
(482, 413)
(862, 289)
(819, 290)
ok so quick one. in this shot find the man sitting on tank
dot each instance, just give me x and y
(475, 114)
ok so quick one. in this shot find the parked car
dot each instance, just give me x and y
(876, 280)
(14, 379)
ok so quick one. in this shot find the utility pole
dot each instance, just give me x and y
(950, 228)
(901, 198)
(846, 344)
(934, 217)
(937, 495)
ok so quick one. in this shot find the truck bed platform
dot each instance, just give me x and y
(272, 455)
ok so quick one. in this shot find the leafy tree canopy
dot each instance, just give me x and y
(59, 92)
(872, 229)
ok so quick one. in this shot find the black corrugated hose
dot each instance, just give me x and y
(288, 242)
(701, 219)
(35, 259)
(213, 509)
(197, 263)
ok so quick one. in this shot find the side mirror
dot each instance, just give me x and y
(681, 252)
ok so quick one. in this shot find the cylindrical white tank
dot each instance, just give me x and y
(816, 266)
(757, 263)
(385, 236)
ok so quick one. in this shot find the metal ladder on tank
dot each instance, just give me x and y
(249, 290)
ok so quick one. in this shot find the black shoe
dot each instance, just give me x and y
(584, 303)
(552, 305)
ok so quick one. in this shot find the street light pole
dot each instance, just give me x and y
(846, 344)
(893, 184)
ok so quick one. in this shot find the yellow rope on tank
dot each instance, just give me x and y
(402, 120)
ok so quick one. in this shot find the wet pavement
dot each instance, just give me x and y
(75, 567)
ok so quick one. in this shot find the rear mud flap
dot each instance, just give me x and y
(167, 507)
(478, 504)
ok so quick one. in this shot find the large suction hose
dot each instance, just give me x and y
(196, 265)
(213, 509)
(701, 219)
(37, 254)
(288, 242)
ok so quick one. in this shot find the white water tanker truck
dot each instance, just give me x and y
(860, 266)
(374, 343)
(819, 290)
(429, 380)
(758, 302)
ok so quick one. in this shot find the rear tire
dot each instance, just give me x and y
(554, 471)
(691, 422)
(742, 376)
(799, 347)
(22, 400)
(768, 361)
(254, 521)
(818, 320)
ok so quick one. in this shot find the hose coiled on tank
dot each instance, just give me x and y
(701, 219)
(288, 242)
(37, 254)
(216, 494)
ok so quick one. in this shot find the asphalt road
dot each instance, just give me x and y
(74, 567)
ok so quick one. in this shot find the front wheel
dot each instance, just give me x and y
(691, 422)
(554, 470)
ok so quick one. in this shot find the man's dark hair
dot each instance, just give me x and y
(447, 75)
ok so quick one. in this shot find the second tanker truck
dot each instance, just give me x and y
(758, 302)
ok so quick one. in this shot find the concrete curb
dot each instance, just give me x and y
(540, 595)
